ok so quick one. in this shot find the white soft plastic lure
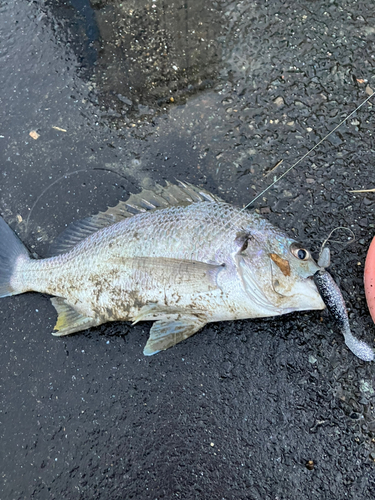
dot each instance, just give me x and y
(334, 301)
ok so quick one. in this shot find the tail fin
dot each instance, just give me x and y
(11, 248)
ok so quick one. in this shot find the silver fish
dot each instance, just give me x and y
(176, 255)
(334, 301)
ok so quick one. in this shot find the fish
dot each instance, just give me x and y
(334, 301)
(176, 255)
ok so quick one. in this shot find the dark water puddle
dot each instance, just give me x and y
(74, 21)
(141, 56)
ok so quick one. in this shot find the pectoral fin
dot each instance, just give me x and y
(182, 276)
(69, 320)
(171, 330)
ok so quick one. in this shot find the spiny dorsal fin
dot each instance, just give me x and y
(146, 200)
(161, 197)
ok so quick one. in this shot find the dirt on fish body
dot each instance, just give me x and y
(176, 255)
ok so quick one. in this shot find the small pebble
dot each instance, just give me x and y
(279, 101)
(265, 210)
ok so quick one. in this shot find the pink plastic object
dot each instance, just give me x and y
(369, 279)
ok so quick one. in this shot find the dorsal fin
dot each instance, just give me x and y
(160, 197)
(146, 200)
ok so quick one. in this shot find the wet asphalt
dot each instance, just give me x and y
(117, 96)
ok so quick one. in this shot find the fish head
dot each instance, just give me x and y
(281, 270)
(292, 270)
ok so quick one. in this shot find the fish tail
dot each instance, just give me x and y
(12, 250)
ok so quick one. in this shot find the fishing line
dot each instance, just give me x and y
(352, 240)
(308, 153)
(65, 176)
(296, 163)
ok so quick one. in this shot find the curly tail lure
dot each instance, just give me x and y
(334, 301)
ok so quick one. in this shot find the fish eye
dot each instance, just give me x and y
(245, 245)
(299, 252)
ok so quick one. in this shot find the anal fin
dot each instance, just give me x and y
(69, 320)
(169, 331)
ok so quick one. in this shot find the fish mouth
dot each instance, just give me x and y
(302, 295)
(308, 295)
(278, 292)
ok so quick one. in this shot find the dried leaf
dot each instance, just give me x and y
(34, 134)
